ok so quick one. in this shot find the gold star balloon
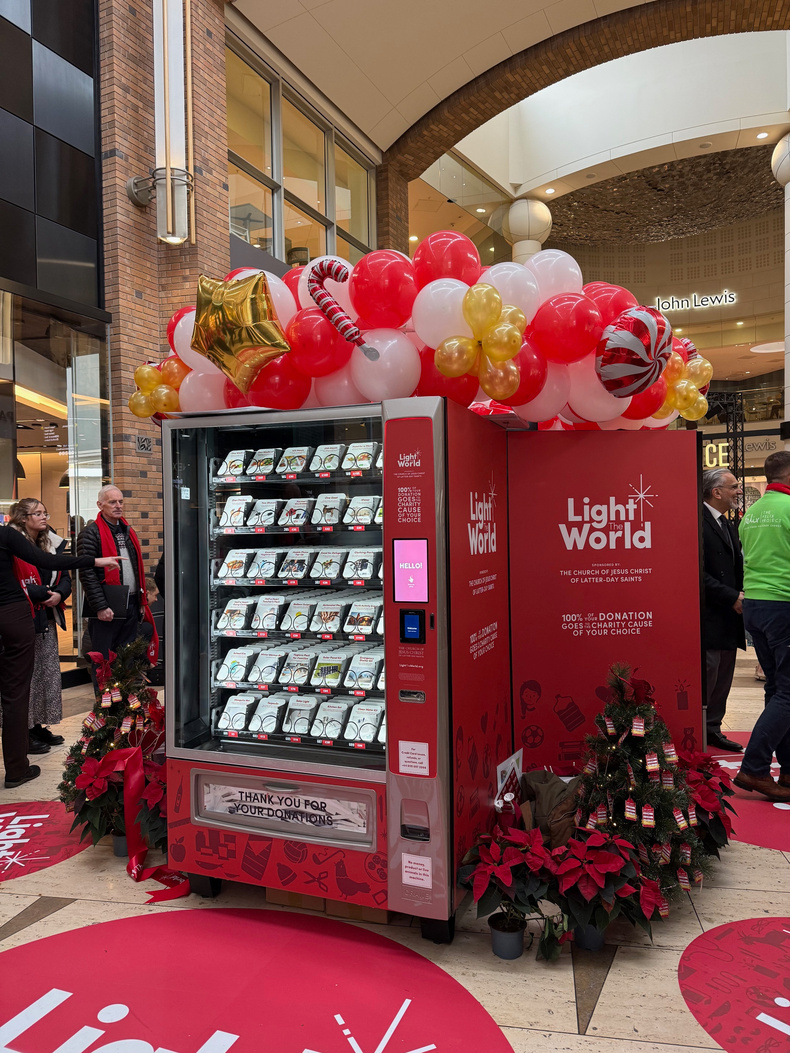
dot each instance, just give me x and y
(236, 327)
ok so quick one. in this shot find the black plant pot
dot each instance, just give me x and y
(119, 846)
(588, 937)
(507, 937)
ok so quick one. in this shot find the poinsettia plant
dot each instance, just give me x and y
(508, 871)
(709, 786)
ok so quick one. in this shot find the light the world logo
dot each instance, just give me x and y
(609, 524)
(14, 837)
(481, 526)
(409, 460)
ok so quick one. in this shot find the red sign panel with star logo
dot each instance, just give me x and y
(35, 835)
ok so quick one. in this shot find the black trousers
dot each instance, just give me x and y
(109, 636)
(720, 668)
(16, 671)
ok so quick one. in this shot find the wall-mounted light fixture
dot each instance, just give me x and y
(171, 182)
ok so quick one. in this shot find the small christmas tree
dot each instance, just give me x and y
(632, 787)
(127, 714)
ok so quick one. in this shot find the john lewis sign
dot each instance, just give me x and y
(695, 301)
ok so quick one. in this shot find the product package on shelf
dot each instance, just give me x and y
(380, 625)
(268, 611)
(264, 460)
(327, 458)
(363, 670)
(235, 563)
(380, 458)
(268, 714)
(265, 563)
(296, 512)
(267, 665)
(330, 719)
(328, 509)
(378, 518)
(361, 564)
(236, 663)
(380, 682)
(328, 563)
(382, 735)
(298, 616)
(300, 714)
(361, 510)
(265, 512)
(234, 463)
(235, 712)
(294, 460)
(237, 613)
(363, 722)
(298, 666)
(234, 514)
(296, 564)
(359, 457)
(362, 616)
(329, 667)
(328, 616)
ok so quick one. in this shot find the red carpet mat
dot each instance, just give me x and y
(35, 835)
(249, 981)
(759, 821)
(736, 982)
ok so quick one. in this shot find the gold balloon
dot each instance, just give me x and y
(455, 355)
(499, 380)
(140, 405)
(699, 371)
(482, 307)
(674, 368)
(502, 342)
(664, 411)
(164, 399)
(683, 395)
(147, 378)
(236, 327)
(173, 372)
(514, 316)
(474, 369)
(697, 411)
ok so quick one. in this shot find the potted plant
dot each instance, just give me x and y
(508, 872)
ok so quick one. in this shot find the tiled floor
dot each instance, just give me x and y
(626, 998)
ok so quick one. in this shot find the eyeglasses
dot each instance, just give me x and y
(365, 732)
(358, 460)
(326, 568)
(358, 514)
(297, 725)
(294, 674)
(234, 671)
(327, 727)
(298, 623)
(42, 515)
(328, 462)
(358, 568)
(362, 678)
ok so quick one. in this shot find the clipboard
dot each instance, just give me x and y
(117, 597)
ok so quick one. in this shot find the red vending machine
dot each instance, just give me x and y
(338, 664)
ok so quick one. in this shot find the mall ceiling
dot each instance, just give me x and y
(676, 200)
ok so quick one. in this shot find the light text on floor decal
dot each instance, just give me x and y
(13, 828)
(384, 1039)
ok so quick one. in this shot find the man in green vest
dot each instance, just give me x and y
(765, 537)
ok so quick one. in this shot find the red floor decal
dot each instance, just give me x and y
(736, 982)
(759, 821)
(35, 835)
(210, 981)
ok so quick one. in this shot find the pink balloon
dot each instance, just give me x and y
(437, 312)
(182, 337)
(312, 399)
(338, 389)
(553, 395)
(282, 297)
(396, 372)
(556, 272)
(588, 397)
(657, 425)
(516, 284)
(621, 424)
(202, 392)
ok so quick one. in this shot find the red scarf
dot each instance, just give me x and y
(778, 488)
(28, 573)
(112, 575)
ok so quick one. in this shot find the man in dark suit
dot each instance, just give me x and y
(722, 619)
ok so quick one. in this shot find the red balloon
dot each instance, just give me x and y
(229, 277)
(611, 300)
(317, 349)
(679, 346)
(566, 327)
(383, 288)
(446, 254)
(291, 279)
(534, 370)
(233, 397)
(587, 425)
(460, 389)
(647, 402)
(280, 385)
(171, 325)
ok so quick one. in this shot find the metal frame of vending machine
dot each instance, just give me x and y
(292, 541)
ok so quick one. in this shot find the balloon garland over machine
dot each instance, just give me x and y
(530, 339)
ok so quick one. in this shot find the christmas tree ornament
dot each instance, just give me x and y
(654, 777)
(638, 727)
(631, 777)
(698, 876)
(693, 821)
(591, 767)
(601, 815)
(592, 821)
(643, 856)
(106, 700)
(685, 852)
(663, 908)
(648, 816)
(115, 694)
(630, 812)
(683, 879)
(651, 760)
(665, 854)
(610, 728)
(134, 702)
(667, 780)
(680, 819)
(670, 753)
(126, 724)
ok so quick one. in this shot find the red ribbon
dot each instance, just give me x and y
(103, 666)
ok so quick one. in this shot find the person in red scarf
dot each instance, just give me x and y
(110, 535)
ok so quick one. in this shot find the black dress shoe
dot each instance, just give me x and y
(36, 746)
(45, 735)
(32, 772)
(719, 742)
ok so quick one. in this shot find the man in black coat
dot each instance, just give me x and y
(722, 618)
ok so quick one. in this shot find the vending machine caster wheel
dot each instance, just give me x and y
(438, 931)
(205, 886)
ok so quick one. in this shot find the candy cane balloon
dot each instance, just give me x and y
(338, 272)
(633, 351)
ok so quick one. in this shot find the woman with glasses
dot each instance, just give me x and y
(47, 593)
(17, 632)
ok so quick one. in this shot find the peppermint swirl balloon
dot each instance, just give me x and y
(329, 306)
(690, 348)
(633, 351)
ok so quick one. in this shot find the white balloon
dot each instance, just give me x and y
(337, 290)
(516, 285)
(567, 415)
(651, 422)
(396, 372)
(282, 298)
(182, 342)
(556, 272)
(246, 272)
(338, 389)
(552, 397)
(438, 311)
(588, 397)
(621, 424)
(408, 330)
(312, 399)
(202, 391)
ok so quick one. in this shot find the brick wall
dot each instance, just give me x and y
(600, 40)
(145, 280)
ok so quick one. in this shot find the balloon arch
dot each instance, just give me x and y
(530, 339)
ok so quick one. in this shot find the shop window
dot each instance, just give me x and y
(303, 158)
(351, 197)
(305, 238)
(346, 251)
(250, 207)
(249, 114)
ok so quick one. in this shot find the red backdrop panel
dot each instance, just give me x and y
(604, 567)
(480, 646)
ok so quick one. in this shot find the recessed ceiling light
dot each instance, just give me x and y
(479, 210)
(590, 175)
(491, 249)
(413, 237)
(739, 323)
(771, 348)
(678, 330)
(762, 135)
(748, 371)
(550, 190)
(705, 146)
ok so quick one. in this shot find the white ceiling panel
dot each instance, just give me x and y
(527, 31)
(569, 13)
(487, 53)
(388, 129)
(450, 77)
(265, 15)
(418, 102)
